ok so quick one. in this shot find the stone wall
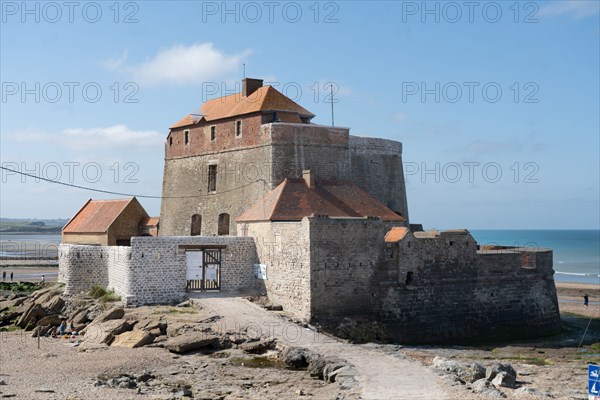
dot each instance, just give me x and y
(457, 293)
(82, 266)
(250, 168)
(243, 177)
(377, 168)
(126, 225)
(345, 254)
(153, 269)
(98, 239)
(284, 248)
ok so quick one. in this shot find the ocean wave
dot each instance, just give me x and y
(577, 274)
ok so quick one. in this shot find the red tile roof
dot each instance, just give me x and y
(293, 200)
(395, 234)
(265, 98)
(96, 216)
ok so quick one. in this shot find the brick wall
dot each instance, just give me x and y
(199, 138)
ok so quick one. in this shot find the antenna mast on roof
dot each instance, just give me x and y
(244, 67)
(331, 87)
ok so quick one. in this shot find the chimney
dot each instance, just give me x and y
(250, 85)
(309, 178)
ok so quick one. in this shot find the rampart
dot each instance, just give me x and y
(153, 269)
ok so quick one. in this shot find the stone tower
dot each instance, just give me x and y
(239, 147)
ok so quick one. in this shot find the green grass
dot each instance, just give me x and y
(103, 295)
(539, 361)
(9, 328)
(177, 310)
(21, 287)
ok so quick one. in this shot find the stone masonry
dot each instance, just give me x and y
(153, 269)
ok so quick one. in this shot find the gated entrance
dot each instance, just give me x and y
(203, 269)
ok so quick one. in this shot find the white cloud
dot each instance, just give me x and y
(181, 65)
(112, 137)
(574, 8)
(116, 135)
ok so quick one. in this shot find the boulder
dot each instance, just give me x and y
(133, 339)
(466, 373)
(483, 387)
(237, 339)
(80, 317)
(55, 304)
(258, 347)
(445, 364)
(470, 373)
(43, 295)
(112, 313)
(504, 379)
(105, 332)
(31, 316)
(189, 341)
(297, 357)
(330, 370)
(51, 320)
(42, 330)
(156, 327)
(491, 372)
(317, 365)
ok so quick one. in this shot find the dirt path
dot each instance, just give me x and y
(379, 375)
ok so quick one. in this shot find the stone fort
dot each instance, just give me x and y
(257, 198)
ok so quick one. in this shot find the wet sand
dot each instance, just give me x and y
(570, 298)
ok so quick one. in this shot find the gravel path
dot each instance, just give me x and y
(380, 375)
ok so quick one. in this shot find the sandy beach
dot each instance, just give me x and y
(546, 367)
(570, 297)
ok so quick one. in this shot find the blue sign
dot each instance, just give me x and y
(593, 380)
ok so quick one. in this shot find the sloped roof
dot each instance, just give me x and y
(265, 98)
(150, 221)
(293, 200)
(396, 234)
(96, 216)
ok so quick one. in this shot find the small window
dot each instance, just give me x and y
(223, 224)
(238, 128)
(213, 133)
(187, 136)
(171, 141)
(212, 178)
(196, 225)
(409, 277)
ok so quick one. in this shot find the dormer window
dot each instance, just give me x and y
(186, 136)
(213, 133)
(238, 128)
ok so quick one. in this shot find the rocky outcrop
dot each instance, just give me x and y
(189, 342)
(133, 339)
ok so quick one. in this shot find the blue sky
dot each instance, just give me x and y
(496, 103)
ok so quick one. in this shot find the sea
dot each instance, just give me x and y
(576, 252)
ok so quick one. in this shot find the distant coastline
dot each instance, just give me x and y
(17, 226)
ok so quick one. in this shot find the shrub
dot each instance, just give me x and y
(103, 295)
